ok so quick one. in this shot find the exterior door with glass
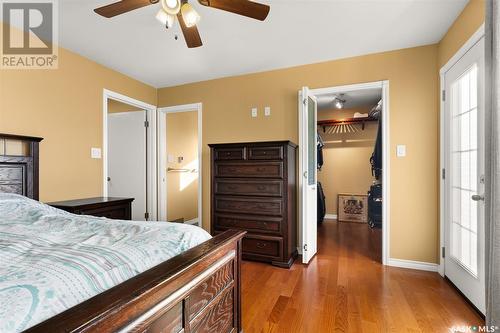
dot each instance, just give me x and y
(464, 175)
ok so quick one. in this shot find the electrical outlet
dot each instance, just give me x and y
(254, 112)
(95, 153)
(267, 111)
(400, 150)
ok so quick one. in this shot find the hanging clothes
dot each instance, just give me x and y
(320, 146)
(376, 159)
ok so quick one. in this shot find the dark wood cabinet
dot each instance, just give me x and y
(112, 208)
(253, 188)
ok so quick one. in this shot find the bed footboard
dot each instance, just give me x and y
(196, 291)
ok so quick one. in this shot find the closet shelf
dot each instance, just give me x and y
(346, 121)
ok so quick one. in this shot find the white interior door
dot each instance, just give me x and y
(464, 189)
(127, 159)
(308, 173)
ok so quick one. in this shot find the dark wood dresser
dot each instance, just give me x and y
(112, 208)
(253, 188)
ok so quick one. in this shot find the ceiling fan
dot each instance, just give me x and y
(185, 14)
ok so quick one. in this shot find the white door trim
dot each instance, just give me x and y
(151, 114)
(162, 193)
(476, 37)
(384, 85)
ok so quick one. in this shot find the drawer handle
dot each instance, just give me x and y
(231, 170)
(228, 153)
(232, 187)
(261, 187)
(261, 245)
(261, 207)
(261, 169)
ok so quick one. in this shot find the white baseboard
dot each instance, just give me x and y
(420, 265)
(331, 216)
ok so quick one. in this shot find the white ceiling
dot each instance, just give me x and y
(296, 32)
(354, 99)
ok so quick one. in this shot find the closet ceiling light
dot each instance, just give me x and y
(339, 103)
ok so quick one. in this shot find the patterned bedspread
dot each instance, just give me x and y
(51, 260)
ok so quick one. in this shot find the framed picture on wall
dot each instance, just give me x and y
(352, 208)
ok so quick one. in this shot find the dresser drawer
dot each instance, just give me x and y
(273, 188)
(260, 206)
(265, 153)
(257, 224)
(230, 154)
(111, 208)
(264, 246)
(252, 170)
(119, 212)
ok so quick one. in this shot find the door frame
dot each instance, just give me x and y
(476, 37)
(151, 148)
(162, 162)
(384, 85)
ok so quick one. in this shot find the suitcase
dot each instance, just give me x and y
(375, 206)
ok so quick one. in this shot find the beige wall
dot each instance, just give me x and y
(414, 122)
(119, 107)
(182, 188)
(64, 106)
(346, 167)
(467, 23)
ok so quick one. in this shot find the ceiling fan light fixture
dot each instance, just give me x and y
(171, 7)
(189, 15)
(165, 18)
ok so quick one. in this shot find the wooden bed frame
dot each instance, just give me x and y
(196, 291)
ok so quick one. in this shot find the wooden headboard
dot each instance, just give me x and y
(19, 171)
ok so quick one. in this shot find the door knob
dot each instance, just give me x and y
(109, 179)
(305, 174)
(477, 197)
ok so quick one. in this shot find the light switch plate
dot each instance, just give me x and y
(401, 150)
(95, 153)
(267, 111)
(254, 112)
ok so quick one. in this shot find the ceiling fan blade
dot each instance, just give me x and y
(122, 7)
(246, 8)
(191, 35)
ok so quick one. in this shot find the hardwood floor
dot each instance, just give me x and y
(346, 289)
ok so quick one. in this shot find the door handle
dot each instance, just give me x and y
(109, 179)
(477, 197)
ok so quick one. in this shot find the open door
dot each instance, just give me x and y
(308, 173)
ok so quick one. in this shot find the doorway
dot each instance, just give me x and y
(463, 182)
(351, 129)
(128, 156)
(180, 160)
